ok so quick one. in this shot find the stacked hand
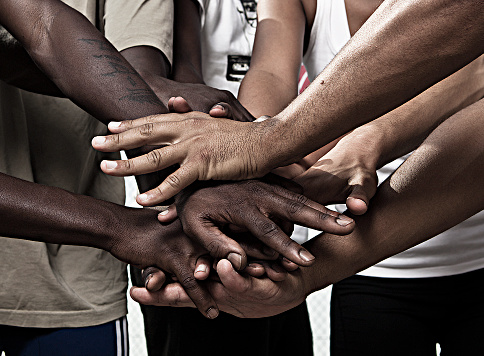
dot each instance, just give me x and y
(346, 174)
(259, 213)
(185, 97)
(238, 222)
(204, 148)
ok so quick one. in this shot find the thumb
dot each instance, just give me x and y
(363, 189)
(178, 105)
(221, 110)
(168, 215)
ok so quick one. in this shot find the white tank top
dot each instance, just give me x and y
(457, 250)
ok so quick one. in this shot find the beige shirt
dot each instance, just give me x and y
(47, 140)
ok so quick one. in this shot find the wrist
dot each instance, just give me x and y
(126, 227)
(277, 143)
(363, 144)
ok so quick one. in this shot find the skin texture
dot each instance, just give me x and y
(347, 173)
(446, 166)
(436, 37)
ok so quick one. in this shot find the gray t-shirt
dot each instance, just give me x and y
(47, 140)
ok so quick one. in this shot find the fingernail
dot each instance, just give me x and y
(148, 280)
(218, 106)
(201, 268)
(306, 256)
(98, 140)
(143, 197)
(114, 124)
(212, 313)
(235, 259)
(110, 164)
(343, 220)
(163, 212)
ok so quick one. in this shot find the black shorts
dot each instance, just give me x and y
(408, 317)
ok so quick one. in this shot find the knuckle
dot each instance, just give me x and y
(294, 207)
(302, 199)
(215, 249)
(154, 158)
(128, 165)
(116, 139)
(287, 243)
(188, 282)
(254, 187)
(126, 124)
(269, 229)
(204, 156)
(147, 129)
(173, 181)
(323, 216)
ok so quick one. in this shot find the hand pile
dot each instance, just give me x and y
(235, 247)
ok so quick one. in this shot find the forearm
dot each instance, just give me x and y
(57, 216)
(404, 48)
(265, 93)
(18, 69)
(436, 188)
(79, 60)
(84, 65)
(187, 49)
(147, 61)
(405, 128)
(272, 80)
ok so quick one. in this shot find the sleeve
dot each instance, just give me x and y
(130, 23)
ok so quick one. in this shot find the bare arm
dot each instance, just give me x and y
(18, 69)
(187, 48)
(272, 80)
(435, 189)
(348, 172)
(90, 71)
(78, 59)
(404, 48)
(401, 50)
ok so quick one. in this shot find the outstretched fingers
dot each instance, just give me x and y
(151, 162)
(172, 185)
(304, 211)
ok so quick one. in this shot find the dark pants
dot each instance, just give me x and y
(397, 316)
(184, 331)
(110, 339)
